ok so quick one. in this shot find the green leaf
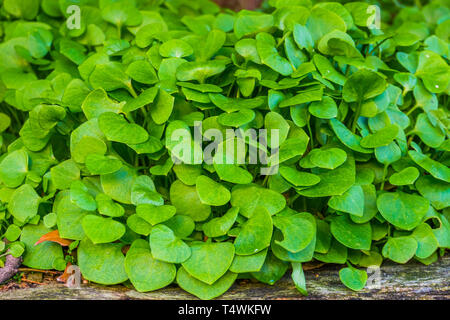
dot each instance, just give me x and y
(435, 168)
(251, 263)
(116, 128)
(145, 272)
(202, 290)
(166, 246)
(175, 48)
(403, 210)
(215, 40)
(69, 217)
(436, 191)
(199, 70)
(297, 229)
(211, 192)
(102, 263)
(351, 201)
(363, 84)
(400, 249)
(187, 202)
(255, 233)
(13, 232)
(163, 107)
(329, 158)
(155, 214)
(24, 203)
(353, 278)
(299, 278)
(272, 270)
(433, 70)
(14, 168)
(217, 227)
(350, 234)
(142, 71)
(118, 185)
(348, 138)
(109, 76)
(322, 21)
(426, 241)
(139, 225)
(334, 182)
(144, 191)
(267, 50)
(249, 197)
(99, 164)
(303, 37)
(79, 194)
(325, 109)
(209, 261)
(39, 256)
(431, 135)
(102, 230)
(64, 174)
(247, 49)
(248, 23)
(380, 138)
(107, 207)
(299, 178)
(405, 177)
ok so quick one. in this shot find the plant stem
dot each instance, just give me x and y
(357, 114)
(310, 134)
(412, 109)
(384, 176)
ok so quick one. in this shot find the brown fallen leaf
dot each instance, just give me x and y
(65, 276)
(53, 236)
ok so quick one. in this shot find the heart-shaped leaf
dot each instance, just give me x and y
(403, 210)
(209, 261)
(166, 246)
(102, 230)
(212, 193)
(255, 234)
(116, 128)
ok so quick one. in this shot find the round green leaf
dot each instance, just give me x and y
(102, 263)
(353, 278)
(400, 249)
(212, 193)
(166, 246)
(187, 202)
(102, 230)
(255, 234)
(405, 177)
(209, 261)
(350, 234)
(202, 290)
(403, 210)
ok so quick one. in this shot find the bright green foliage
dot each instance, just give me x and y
(357, 139)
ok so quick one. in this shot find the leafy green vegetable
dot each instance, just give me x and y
(175, 141)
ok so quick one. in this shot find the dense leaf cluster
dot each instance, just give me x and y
(85, 114)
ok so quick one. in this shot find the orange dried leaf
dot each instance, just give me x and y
(53, 236)
(65, 276)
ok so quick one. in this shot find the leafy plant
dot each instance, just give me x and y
(87, 162)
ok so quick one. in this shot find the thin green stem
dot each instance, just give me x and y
(357, 114)
(266, 179)
(384, 176)
(310, 134)
(131, 90)
(412, 109)
(292, 199)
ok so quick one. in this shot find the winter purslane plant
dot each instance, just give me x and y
(93, 92)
